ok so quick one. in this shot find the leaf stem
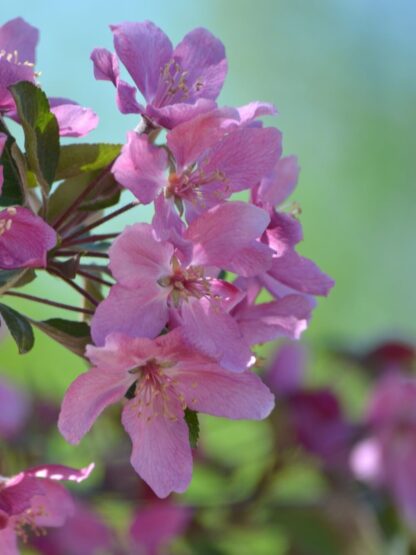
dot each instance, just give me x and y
(48, 302)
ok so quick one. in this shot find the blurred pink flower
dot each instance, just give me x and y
(33, 500)
(157, 524)
(163, 377)
(286, 371)
(84, 533)
(3, 139)
(14, 411)
(388, 456)
(177, 84)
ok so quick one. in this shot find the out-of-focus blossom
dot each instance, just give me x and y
(156, 525)
(388, 456)
(84, 533)
(157, 283)
(33, 500)
(3, 139)
(164, 377)
(18, 41)
(209, 164)
(14, 411)
(314, 417)
(25, 239)
(177, 84)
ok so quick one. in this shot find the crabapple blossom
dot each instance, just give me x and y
(177, 84)
(164, 377)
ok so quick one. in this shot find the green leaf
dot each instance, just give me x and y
(75, 160)
(19, 327)
(15, 278)
(12, 193)
(191, 419)
(75, 336)
(41, 131)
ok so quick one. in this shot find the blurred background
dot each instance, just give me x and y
(342, 76)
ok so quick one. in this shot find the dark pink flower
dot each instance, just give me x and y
(177, 84)
(84, 533)
(157, 284)
(157, 524)
(18, 41)
(209, 162)
(164, 376)
(388, 456)
(14, 412)
(33, 500)
(3, 139)
(24, 239)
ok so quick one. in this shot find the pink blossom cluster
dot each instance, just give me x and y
(194, 291)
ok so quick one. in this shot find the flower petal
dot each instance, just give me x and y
(18, 36)
(138, 313)
(144, 49)
(73, 120)
(24, 239)
(161, 452)
(141, 167)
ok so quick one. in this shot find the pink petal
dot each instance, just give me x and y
(301, 274)
(280, 184)
(121, 351)
(105, 65)
(87, 397)
(17, 35)
(254, 110)
(190, 139)
(138, 313)
(144, 49)
(126, 99)
(174, 114)
(286, 317)
(73, 119)
(155, 524)
(286, 372)
(209, 329)
(243, 157)
(210, 389)
(202, 56)
(141, 167)
(60, 472)
(15, 410)
(53, 506)
(8, 541)
(161, 453)
(225, 236)
(136, 256)
(366, 461)
(24, 239)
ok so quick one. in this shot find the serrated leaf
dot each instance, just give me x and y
(191, 419)
(73, 335)
(41, 131)
(19, 327)
(75, 160)
(13, 191)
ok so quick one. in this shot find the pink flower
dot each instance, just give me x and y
(177, 84)
(157, 284)
(164, 376)
(286, 372)
(289, 271)
(33, 500)
(157, 524)
(84, 533)
(24, 239)
(18, 42)
(3, 139)
(388, 456)
(14, 409)
(208, 162)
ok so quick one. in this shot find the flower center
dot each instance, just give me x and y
(25, 524)
(185, 283)
(7, 222)
(13, 58)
